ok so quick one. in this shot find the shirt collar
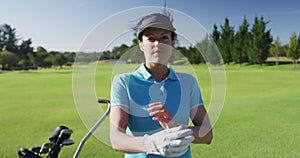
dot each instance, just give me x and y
(172, 74)
(146, 74)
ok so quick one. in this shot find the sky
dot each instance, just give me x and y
(66, 25)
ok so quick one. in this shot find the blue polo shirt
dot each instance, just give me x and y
(179, 92)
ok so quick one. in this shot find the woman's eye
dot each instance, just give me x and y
(152, 39)
(165, 37)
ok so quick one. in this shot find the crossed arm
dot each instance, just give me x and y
(119, 117)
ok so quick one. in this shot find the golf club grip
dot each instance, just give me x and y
(103, 101)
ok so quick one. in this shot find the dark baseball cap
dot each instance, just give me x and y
(156, 20)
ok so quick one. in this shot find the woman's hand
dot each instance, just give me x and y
(161, 114)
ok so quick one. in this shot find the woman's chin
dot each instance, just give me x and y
(158, 62)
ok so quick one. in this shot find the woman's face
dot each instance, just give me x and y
(157, 45)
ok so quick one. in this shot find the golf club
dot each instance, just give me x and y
(46, 147)
(60, 134)
(59, 138)
(25, 153)
(90, 132)
(35, 149)
(66, 142)
(63, 132)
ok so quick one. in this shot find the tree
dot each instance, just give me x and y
(56, 58)
(47, 63)
(8, 38)
(117, 52)
(241, 43)
(260, 43)
(194, 56)
(213, 55)
(70, 57)
(8, 60)
(216, 34)
(203, 47)
(184, 51)
(226, 41)
(135, 41)
(105, 55)
(2, 40)
(60, 60)
(40, 49)
(41, 55)
(275, 50)
(23, 51)
(285, 47)
(293, 50)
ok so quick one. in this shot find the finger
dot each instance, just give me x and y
(155, 106)
(177, 152)
(177, 128)
(177, 149)
(180, 134)
(161, 119)
(161, 113)
(182, 141)
(155, 103)
(156, 112)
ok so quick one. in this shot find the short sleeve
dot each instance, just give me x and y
(118, 92)
(195, 94)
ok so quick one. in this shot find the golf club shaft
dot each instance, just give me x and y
(93, 128)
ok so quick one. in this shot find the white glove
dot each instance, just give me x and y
(172, 142)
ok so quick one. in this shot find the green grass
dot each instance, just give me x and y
(260, 117)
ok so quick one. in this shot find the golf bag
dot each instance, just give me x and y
(25, 153)
(58, 139)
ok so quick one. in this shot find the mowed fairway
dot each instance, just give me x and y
(260, 117)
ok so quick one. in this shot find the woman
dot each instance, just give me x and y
(151, 106)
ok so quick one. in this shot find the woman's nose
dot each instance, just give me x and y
(156, 42)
